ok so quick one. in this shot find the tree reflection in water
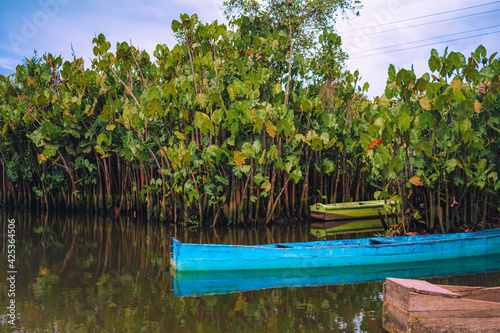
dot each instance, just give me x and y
(80, 273)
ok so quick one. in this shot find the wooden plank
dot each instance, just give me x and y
(421, 325)
(458, 289)
(421, 302)
(419, 306)
(466, 313)
(476, 293)
(394, 320)
(396, 294)
(423, 287)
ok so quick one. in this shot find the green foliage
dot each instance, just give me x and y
(213, 129)
(304, 18)
(228, 127)
(441, 139)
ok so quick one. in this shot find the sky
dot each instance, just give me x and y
(62, 27)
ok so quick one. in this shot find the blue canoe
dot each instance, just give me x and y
(338, 253)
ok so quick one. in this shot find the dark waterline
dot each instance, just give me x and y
(81, 273)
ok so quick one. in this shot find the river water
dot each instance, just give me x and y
(80, 273)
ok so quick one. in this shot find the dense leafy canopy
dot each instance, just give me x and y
(442, 142)
(206, 131)
(305, 18)
(227, 126)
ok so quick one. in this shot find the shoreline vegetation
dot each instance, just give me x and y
(230, 126)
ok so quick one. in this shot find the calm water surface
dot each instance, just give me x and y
(93, 274)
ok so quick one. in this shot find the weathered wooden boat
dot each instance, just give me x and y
(352, 210)
(419, 306)
(321, 229)
(197, 283)
(348, 252)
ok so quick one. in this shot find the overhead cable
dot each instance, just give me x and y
(424, 16)
(424, 40)
(422, 24)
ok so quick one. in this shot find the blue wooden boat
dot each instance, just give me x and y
(197, 283)
(337, 253)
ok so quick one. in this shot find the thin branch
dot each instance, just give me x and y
(152, 154)
(29, 112)
(290, 63)
(126, 87)
(192, 66)
(276, 202)
(138, 67)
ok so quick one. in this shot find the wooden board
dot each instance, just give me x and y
(477, 293)
(419, 306)
(423, 287)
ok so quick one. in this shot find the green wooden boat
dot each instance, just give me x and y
(352, 210)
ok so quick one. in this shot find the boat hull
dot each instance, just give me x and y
(351, 210)
(350, 252)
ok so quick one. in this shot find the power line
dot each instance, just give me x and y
(424, 16)
(421, 24)
(423, 40)
(430, 44)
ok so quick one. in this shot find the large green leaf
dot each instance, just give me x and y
(103, 138)
(396, 164)
(296, 175)
(153, 93)
(202, 100)
(50, 131)
(426, 120)
(238, 158)
(365, 140)
(450, 165)
(423, 147)
(425, 103)
(202, 121)
(36, 137)
(284, 126)
(47, 132)
(50, 150)
(434, 63)
(248, 150)
(374, 130)
(404, 122)
(155, 108)
(306, 105)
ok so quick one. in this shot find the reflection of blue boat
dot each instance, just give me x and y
(223, 282)
(337, 253)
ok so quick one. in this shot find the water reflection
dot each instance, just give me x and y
(223, 282)
(79, 273)
(327, 229)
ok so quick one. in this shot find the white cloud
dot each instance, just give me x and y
(8, 64)
(146, 23)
